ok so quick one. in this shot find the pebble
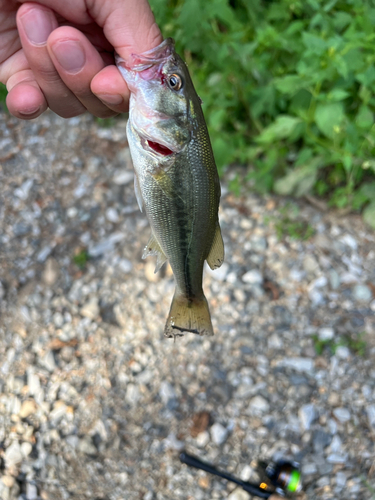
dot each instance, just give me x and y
(202, 439)
(50, 273)
(8, 481)
(86, 446)
(342, 352)
(31, 491)
(123, 177)
(307, 415)
(299, 364)
(218, 274)
(91, 308)
(13, 454)
(253, 277)
(371, 415)
(132, 394)
(259, 405)
(309, 468)
(362, 293)
(337, 458)
(48, 361)
(26, 449)
(326, 334)
(28, 408)
(219, 434)
(112, 215)
(239, 494)
(342, 414)
(340, 480)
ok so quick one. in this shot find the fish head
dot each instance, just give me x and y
(163, 99)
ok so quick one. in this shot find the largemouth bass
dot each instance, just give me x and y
(176, 180)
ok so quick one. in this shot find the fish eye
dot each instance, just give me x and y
(175, 81)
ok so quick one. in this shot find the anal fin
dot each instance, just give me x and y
(153, 248)
(216, 256)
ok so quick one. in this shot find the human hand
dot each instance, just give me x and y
(59, 54)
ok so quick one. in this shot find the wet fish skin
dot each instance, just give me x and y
(176, 180)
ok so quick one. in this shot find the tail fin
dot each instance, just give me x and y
(188, 315)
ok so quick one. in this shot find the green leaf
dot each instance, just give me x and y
(328, 118)
(299, 181)
(338, 94)
(282, 128)
(369, 214)
(365, 117)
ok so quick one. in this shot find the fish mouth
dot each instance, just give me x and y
(156, 147)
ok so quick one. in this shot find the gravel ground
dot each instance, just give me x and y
(96, 404)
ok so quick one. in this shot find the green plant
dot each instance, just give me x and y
(80, 259)
(356, 344)
(287, 87)
(288, 223)
(3, 94)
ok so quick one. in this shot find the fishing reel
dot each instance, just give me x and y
(280, 477)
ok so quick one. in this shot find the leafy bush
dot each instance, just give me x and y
(288, 87)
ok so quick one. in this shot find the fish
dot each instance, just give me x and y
(176, 180)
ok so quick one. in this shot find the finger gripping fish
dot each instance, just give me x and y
(176, 180)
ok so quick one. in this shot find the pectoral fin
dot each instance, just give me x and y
(153, 248)
(216, 256)
(138, 193)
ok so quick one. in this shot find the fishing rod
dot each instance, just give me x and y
(282, 476)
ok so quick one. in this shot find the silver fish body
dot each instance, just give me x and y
(176, 180)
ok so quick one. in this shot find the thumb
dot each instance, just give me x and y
(129, 25)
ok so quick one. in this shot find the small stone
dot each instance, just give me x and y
(307, 415)
(72, 441)
(125, 265)
(321, 440)
(50, 273)
(58, 319)
(258, 405)
(371, 415)
(348, 240)
(334, 279)
(298, 364)
(220, 273)
(337, 458)
(8, 481)
(13, 454)
(58, 412)
(309, 468)
(44, 253)
(253, 277)
(26, 449)
(28, 408)
(239, 494)
(112, 215)
(336, 444)
(86, 446)
(202, 439)
(340, 480)
(72, 212)
(48, 361)
(132, 394)
(310, 264)
(342, 414)
(172, 443)
(326, 333)
(90, 309)
(219, 434)
(166, 392)
(342, 352)
(123, 177)
(362, 293)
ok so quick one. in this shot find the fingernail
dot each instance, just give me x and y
(38, 25)
(70, 55)
(113, 99)
(31, 111)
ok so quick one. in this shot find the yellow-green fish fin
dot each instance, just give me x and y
(216, 256)
(138, 193)
(188, 315)
(153, 248)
